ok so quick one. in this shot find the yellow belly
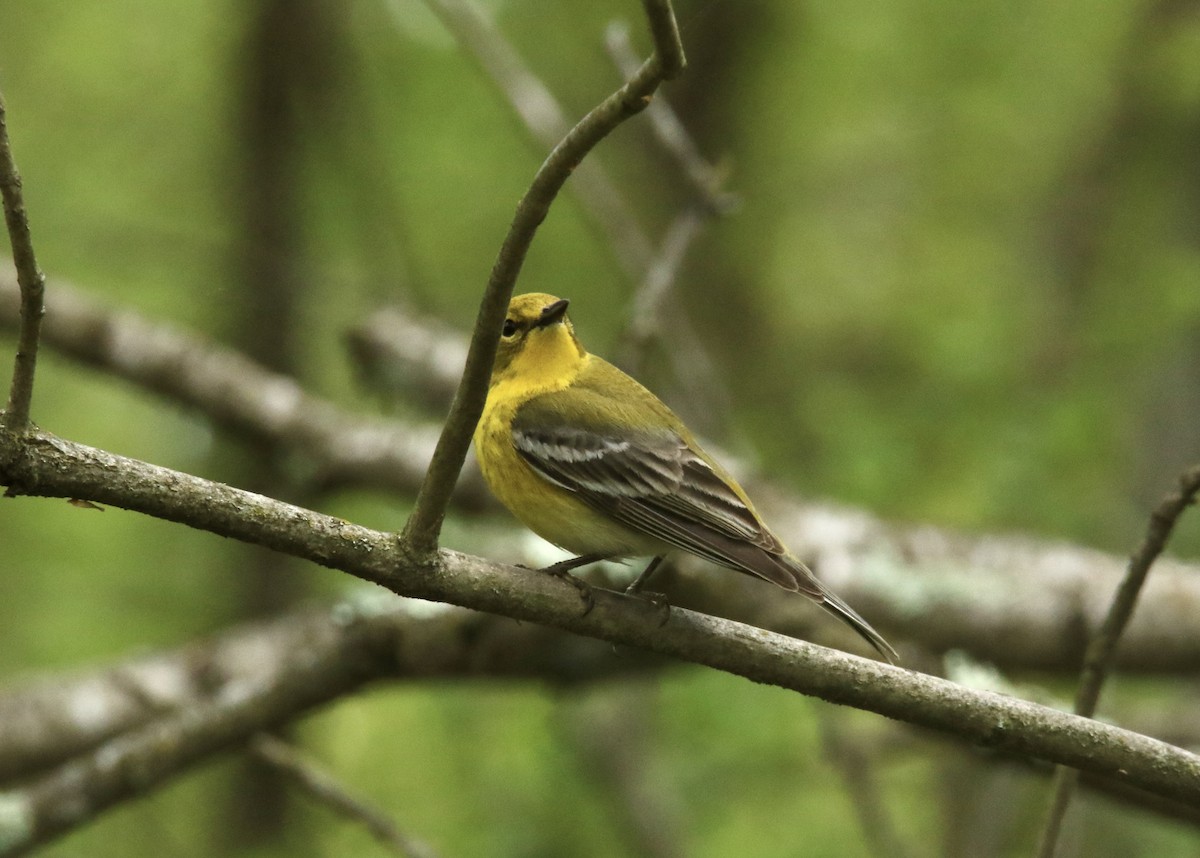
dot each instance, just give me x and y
(550, 511)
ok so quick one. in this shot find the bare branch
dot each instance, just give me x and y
(132, 764)
(424, 525)
(705, 179)
(47, 722)
(547, 124)
(667, 45)
(44, 465)
(1102, 649)
(1101, 652)
(238, 393)
(326, 789)
(32, 284)
(1042, 598)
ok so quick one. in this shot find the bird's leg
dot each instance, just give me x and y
(562, 569)
(641, 580)
(656, 599)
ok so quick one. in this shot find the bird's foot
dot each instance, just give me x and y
(658, 600)
(563, 570)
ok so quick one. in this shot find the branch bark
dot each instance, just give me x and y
(47, 466)
(242, 395)
(29, 276)
(1016, 601)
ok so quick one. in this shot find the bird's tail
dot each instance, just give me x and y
(806, 582)
(850, 617)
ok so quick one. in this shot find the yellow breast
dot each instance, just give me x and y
(550, 511)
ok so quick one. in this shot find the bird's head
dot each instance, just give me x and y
(537, 343)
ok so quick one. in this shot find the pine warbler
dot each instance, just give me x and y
(592, 461)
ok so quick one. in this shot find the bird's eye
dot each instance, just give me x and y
(510, 328)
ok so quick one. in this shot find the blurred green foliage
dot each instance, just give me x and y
(963, 286)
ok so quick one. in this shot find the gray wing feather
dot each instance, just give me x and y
(654, 483)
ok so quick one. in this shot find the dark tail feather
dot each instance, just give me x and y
(807, 583)
(780, 569)
(850, 617)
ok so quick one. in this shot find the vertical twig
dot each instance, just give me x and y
(862, 787)
(30, 279)
(424, 525)
(668, 47)
(1100, 652)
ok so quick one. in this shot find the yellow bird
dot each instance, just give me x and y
(589, 459)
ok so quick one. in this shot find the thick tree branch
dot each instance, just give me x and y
(132, 764)
(424, 525)
(44, 465)
(29, 276)
(47, 722)
(1015, 601)
(1039, 604)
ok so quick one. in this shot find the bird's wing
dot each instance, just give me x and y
(651, 480)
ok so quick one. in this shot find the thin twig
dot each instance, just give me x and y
(1101, 652)
(51, 466)
(667, 45)
(547, 123)
(645, 314)
(424, 525)
(32, 284)
(326, 789)
(862, 787)
(705, 179)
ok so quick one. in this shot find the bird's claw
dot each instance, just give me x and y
(584, 588)
(658, 600)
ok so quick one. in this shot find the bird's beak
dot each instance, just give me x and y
(554, 313)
